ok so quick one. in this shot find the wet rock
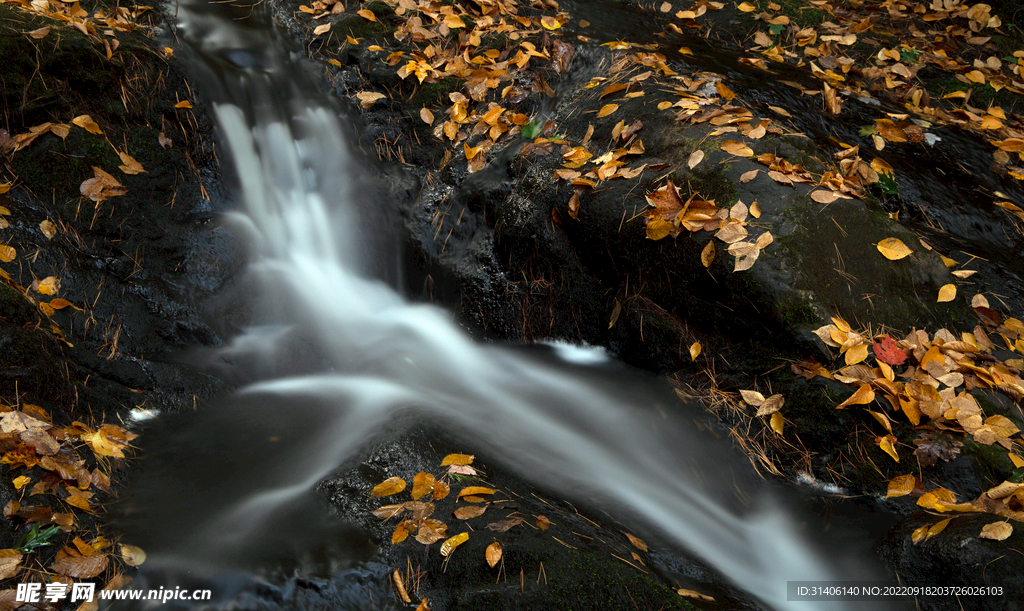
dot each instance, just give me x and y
(957, 557)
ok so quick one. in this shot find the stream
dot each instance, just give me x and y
(226, 495)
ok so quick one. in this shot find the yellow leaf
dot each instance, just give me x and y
(863, 396)
(457, 459)
(20, 481)
(637, 542)
(707, 256)
(7, 253)
(919, 534)
(131, 166)
(321, 29)
(664, 105)
(86, 123)
(493, 554)
(367, 14)
(777, 422)
(755, 210)
(997, 531)
(48, 286)
(976, 76)
(695, 348)
(476, 491)
(657, 229)
(392, 485)
(449, 546)
(400, 534)
(724, 91)
(183, 104)
(4, 188)
(550, 23)
(888, 445)
(901, 485)
(735, 147)
(49, 229)
(856, 354)
(947, 293)
(607, 109)
(422, 485)
(747, 7)
(825, 197)
(893, 249)
(938, 527)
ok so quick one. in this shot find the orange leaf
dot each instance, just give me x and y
(367, 14)
(863, 396)
(392, 485)
(607, 109)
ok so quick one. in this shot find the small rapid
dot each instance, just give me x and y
(232, 486)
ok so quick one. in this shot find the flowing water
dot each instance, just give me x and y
(229, 489)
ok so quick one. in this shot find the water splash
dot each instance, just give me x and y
(227, 494)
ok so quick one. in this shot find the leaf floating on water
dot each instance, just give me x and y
(947, 293)
(695, 349)
(392, 485)
(893, 249)
(449, 546)
(493, 554)
(457, 459)
(504, 525)
(863, 396)
(637, 542)
(606, 110)
(132, 555)
(997, 531)
(471, 511)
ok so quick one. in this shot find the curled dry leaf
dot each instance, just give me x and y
(48, 228)
(392, 485)
(888, 445)
(476, 491)
(7, 253)
(321, 29)
(367, 14)
(707, 256)
(86, 123)
(493, 554)
(449, 546)
(10, 561)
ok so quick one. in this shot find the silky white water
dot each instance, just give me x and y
(381, 360)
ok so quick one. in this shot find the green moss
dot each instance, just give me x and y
(798, 312)
(436, 93)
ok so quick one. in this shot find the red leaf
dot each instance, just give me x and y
(888, 352)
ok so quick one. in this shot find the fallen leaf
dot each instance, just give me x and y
(81, 567)
(901, 485)
(38, 35)
(86, 123)
(637, 542)
(771, 405)
(863, 396)
(691, 593)
(47, 286)
(476, 491)
(777, 422)
(321, 29)
(544, 523)
(947, 293)
(131, 166)
(607, 109)
(392, 485)
(470, 511)
(997, 531)
(695, 349)
(493, 554)
(749, 176)
(856, 354)
(550, 23)
(747, 7)
(49, 229)
(7, 253)
(10, 560)
(888, 445)
(422, 485)
(707, 256)
(505, 525)
(426, 116)
(735, 147)
(132, 555)
(695, 158)
(893, 249)
(449, 546)
(183, 104)
(825, 197)
(457, 459)
(888, 352)
(752, 397)
(367, 14)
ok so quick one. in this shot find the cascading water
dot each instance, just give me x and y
(381, 361)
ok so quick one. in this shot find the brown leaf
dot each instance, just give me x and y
(422, 485)
(637, 542)
(131, 166)
(10, 561)
(471, 511)
(83, 568)
(493, 554)
(735, 147)
(392, 485)
(86, 123)
(543, 522)
(505, 525)
(997, 531)
(749, 176)
(707, 256)
(771, 405)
